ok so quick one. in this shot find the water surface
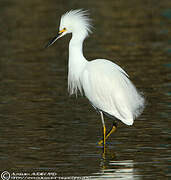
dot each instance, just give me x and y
(42, 129)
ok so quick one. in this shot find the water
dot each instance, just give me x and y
(44, 130)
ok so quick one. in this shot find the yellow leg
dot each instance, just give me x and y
(104, 135)
(110, 132)
(104, 141)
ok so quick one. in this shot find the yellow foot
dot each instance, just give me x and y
(100, 142)
(113, 129)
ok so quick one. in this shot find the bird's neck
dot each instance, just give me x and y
(77, 63)
(76, 49)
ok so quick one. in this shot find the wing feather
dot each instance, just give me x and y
(108, 88)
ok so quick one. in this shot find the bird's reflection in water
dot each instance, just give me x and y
(116, 169)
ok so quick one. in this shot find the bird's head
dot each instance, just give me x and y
(75, 22)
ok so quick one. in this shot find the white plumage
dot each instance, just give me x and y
(104, 83)
(107, 87)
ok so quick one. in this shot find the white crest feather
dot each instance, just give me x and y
(77, 20)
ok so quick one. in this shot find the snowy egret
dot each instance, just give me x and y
(104, 83)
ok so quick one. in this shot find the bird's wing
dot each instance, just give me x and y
(105, 84)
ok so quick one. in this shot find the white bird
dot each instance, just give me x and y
(104, 83)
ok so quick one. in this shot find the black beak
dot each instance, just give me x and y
(52, 41)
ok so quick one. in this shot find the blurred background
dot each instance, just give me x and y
(43, 129)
